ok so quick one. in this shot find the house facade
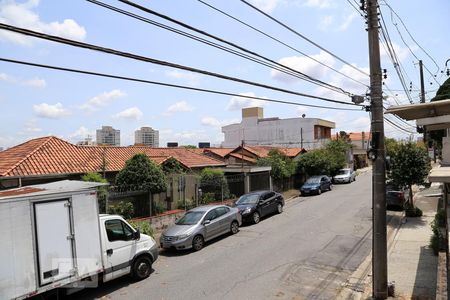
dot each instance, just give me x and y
(254, 130)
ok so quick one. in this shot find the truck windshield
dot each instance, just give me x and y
(190, 218)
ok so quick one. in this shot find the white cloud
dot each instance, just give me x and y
(267, 6)
(213, 122)
(35, 82)
(31, 127)
(49, 111)
(6, 77)
(191, 78)
(132, 113)
(82, 133)
(180, 106)
(237, 103)
(347, 21)
(325, 22)
(22, 15)
(305, 65)
(101, 100)
(402, 52)
(318, 3)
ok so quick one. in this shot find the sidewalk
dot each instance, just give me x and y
(411, 263)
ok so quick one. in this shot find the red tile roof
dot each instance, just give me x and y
(222, 152)
(357, 136)
(51, 155)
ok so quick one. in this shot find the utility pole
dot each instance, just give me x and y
(301, 137)
(379, 243)
(422, 84)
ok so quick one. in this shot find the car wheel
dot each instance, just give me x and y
(142, 267)
(331, 187)
(234, 228)
(319, 191)
(198, 242)
(279, 208)
(256, 217)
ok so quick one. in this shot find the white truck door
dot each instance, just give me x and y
(120, 248)
(53, 240)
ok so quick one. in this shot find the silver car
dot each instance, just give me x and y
(345, 176)
(199, 225)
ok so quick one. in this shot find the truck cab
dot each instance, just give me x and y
(125, 250)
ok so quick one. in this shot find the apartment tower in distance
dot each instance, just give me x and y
(147, 136)
(108, 136)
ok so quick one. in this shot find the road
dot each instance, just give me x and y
(307, 252)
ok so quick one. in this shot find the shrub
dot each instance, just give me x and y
(143, 226)
(437, 239)
(124, 209)
(412, 211)
(207, 198)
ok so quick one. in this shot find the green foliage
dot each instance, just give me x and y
(190, 147)
(102, 191)
(124, 209)
(158, 208)
(443, 92)
(172, 166)
(412, 211)
(143, 226)
(409, 165)
(143, 174)
(437, 239)
(282, 165)
(214, 181)
(207, 198)
(391, 146)
(324, 161)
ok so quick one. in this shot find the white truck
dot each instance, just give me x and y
(52, 236)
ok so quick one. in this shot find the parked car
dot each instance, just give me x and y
(255, 205)
(345, 176)
(316, 185)
(200, 225)
(396, 196)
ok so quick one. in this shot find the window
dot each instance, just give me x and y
(118, 231)
(221, 211)
(211, 215)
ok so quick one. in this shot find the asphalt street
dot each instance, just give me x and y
(307, 252)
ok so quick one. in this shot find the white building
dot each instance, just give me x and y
(254, 129)
(87, 142)
(108, 136)
(146, 136)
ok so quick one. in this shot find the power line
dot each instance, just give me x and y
(85, 72)
(410, 35)
(158, 62)
(272, 64)
(279, 41)
(302, 36)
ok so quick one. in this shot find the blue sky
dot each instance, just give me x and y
(38, 102)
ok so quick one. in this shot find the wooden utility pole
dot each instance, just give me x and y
(379, 243)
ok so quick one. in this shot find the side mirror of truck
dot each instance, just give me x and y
(137, 235)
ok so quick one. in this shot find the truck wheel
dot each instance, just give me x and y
(142, 267)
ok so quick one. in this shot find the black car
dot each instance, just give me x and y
(316, 185)
(396, 196)
(255, 205)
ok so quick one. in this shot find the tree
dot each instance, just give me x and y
(214, 181)
(282, 166)
(102, 191)
(140, 173)
(325, 161)
(410, 165)
(172, 166)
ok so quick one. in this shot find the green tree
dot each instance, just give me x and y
(324, 161)
(214, 181)
(172, 166)
(140, 173)
(391, 146)
(102, 191)
(410, 165)
(282, 166)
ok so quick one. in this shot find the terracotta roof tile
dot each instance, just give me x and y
(222, 152)
(51, 155)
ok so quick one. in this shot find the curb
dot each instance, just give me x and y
(358, 285)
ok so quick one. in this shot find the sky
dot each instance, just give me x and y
(39, 102)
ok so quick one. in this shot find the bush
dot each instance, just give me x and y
(143, 226)
(440, 218)
(437, 239)
(207, 198)
(412, 211)
(124, 209)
